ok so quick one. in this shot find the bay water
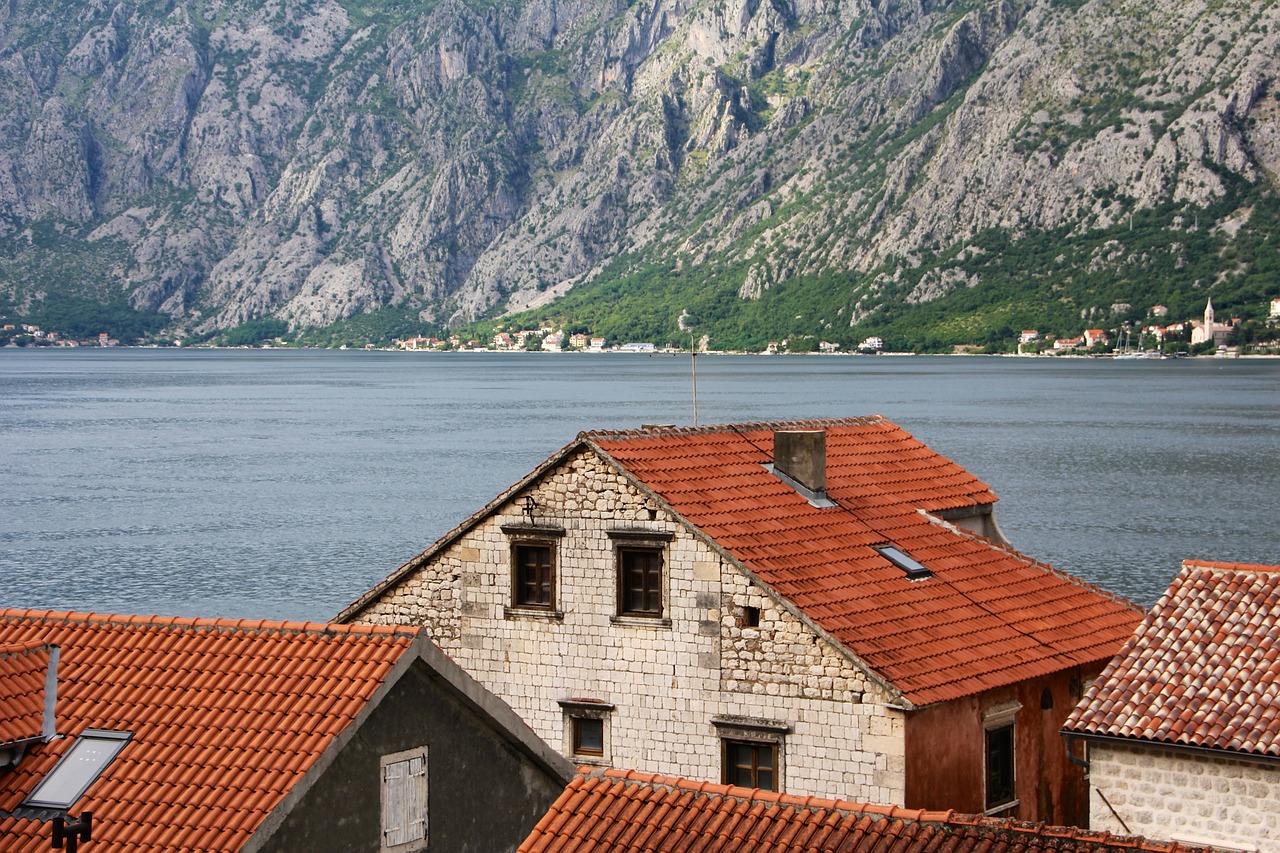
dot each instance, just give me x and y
(282, 484)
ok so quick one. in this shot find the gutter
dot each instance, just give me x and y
(1210, 751)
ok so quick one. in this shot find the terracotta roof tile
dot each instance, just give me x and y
(988, 616)
(226, 717)
(1201, 670)
(613, 811)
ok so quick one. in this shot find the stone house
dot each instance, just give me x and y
(1183, 727)
(166, 734)
(614, 811)
(822, 607)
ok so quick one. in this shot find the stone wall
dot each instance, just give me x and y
(1165, 793)
(666, 680)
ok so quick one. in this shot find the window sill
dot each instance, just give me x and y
(1002, 808)
(590, 760)
(641, 621)
(533, 613)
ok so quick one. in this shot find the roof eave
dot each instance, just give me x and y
(1213, 751)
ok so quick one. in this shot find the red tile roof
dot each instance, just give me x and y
(226, 717)
(611, 811)
(1203, 668)
(23, 668)
(988, 616)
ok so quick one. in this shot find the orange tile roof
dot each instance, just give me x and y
(23, 667)
(226, 717)
(988, 617)
(1203, 668)
(612, 811)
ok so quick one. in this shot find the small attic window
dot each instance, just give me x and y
(915, 571)
(79, 768)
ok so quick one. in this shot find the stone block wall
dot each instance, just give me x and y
(1165, 793)
(666, 680)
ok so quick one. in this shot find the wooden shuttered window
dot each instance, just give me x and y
(640, 581)
(404, 800)
(535, 575)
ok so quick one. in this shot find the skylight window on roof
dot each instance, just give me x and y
(915, 570)
(78, 769)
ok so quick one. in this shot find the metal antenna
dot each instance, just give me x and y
(693, 359)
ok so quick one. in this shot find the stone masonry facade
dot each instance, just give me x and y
(725, 660)
(1178, 794)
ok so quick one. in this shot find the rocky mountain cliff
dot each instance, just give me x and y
(309, 160)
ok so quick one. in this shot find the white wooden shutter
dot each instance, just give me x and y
(404, 798)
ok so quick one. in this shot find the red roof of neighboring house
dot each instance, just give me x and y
(1203, 668)
(23, 668)
(226, 718)
(988, 616)
(612, 811)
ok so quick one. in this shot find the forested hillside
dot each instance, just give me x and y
(737, 170)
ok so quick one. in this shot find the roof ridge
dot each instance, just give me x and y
(1074, 833)
(814, 423)
(246, 625)
(679, 785)
(22, 647)
(1220, 566)
(848, 808)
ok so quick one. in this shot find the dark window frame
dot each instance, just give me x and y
(754, 737)
(538, 591)
(731, 764)
(1000, 760)
(578, 711)
(635, 573)
(578, 725)
(524, 539)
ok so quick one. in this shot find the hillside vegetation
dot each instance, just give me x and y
(737, 170)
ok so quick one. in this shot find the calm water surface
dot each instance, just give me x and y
(283, 484)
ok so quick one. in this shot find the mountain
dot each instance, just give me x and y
(742, 169)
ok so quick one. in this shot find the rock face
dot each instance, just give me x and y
(313, 159)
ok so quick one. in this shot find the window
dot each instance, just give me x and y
(404, 800)
(751, 751)
(999, 767)
(587, 729)
(640, 581)
(751, 764)
(640, 556)
(533, 568)
(534, 575)
(77, 769)
(588, 736)
(999, 763)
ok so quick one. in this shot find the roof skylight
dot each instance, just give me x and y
(82, 764)
(915, 570)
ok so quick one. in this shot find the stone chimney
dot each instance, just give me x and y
(802, 456)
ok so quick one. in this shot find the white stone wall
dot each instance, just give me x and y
(1165, 793)
(666, 681)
